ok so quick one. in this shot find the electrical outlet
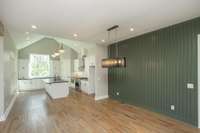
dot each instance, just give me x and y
(172, 107)
(117, 93)
(190, 85)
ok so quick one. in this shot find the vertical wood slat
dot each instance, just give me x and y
(159, 66)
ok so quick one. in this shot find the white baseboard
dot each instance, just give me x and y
(5, 115)
(101, 97)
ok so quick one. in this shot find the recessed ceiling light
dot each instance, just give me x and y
(131, 29)
(75, 35)
(27, 33)
(34, 27)
(103, 40)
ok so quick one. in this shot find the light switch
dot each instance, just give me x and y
(190, 85)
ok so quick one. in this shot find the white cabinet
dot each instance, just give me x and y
(89, 61)
(24, 84)
(88, 86)
(32, 84)
(57, 90)
(85, 86)
(38, 84)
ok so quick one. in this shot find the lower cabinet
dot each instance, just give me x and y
(85, 87)
(57, 90)
(32, 84)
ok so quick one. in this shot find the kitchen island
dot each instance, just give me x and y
(56, 88)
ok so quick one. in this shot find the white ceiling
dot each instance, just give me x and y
(90, 18)
(22, 42)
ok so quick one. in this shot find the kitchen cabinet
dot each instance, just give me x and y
(85, 86)
(89, 61)
(30, 84)
(56, 88)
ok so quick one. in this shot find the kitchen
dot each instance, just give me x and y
(38, 68)
(99, 66)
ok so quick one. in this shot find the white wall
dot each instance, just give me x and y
(101, 74)
(10, 69)
(8, 74)
(67, 63)
(45, 46)
(1, 79)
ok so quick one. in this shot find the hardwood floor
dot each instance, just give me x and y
(35, 112)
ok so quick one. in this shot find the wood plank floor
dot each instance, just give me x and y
(35, 112)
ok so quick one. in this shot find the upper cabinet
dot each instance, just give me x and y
(89, 61)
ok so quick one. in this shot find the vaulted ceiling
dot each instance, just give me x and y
(89, 19)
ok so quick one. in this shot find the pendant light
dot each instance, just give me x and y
(116, 61)
(53, 55)
(57, 53)
(61, 50)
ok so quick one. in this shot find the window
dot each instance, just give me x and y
(39, 66)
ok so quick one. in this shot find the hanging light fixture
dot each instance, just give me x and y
(116, 61)
(113, 62)
(61, 50)
(57, 53)
(53, 55)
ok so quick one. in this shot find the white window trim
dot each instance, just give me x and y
(29, 71)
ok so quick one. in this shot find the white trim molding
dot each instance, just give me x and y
(198, 77)
(101, 97)
(4, 116)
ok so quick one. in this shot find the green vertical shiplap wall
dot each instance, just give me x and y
(159, 66)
